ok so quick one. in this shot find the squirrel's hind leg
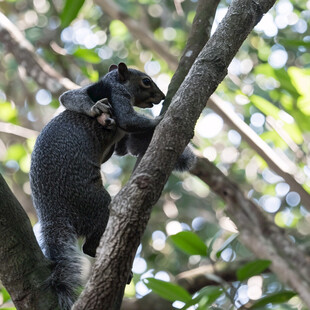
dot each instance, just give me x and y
(94, 224)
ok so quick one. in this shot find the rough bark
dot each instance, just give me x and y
(130, 209)
(15, 42)
(23, 267)
(250, 234)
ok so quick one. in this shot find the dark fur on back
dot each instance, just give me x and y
(69, 197)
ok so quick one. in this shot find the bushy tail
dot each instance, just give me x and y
(186, 161)
(70, 267)
(67, 276)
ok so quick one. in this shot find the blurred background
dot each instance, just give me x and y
(267, 87)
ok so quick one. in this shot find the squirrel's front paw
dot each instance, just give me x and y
(103, 110)
(101, 106)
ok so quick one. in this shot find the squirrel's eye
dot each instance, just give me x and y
(146, 82)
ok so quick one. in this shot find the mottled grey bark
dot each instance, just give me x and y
(23, 267)
(131, 208)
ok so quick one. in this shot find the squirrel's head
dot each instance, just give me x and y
(141, 87)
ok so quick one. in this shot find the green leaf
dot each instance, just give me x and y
(269, 109)
(227, 242)
(15, 152)
(70, 11)
(8, 113)
(189, 243)
(265, 106)
(5, 295)
(286, 82)
(87, 55)
(118, 29)
(91, 74)
(206, 296)
(252, 269)
(167, 290)
(277, 298)
(294, 43)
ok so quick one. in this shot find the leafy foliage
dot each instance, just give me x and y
(190, 243)
(252, 269)
(168, 290)
(267, 85)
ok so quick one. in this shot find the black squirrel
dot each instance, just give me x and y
(65, 177)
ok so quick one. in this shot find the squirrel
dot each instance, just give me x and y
(65, 178)
(143, 91)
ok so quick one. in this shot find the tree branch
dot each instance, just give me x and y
(131, 208)
(14, 42)
(286, 169)
(23, 267)
(144, 35)
(145, 178)
(18, 130)
(257, 232)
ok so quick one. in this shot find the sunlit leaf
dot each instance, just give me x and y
(92, 75)
(24, 164)
(286, 83)
(274, 138)
(206, 296)
(118, 29)
(189, 243)
(277, 298)
(301, 80)
(130, 290)
(252, 269)
(87, 55)
(5, 295)
(8, 113)
(286, 219)
(167, 290)
(294, 43)
(15, 152)
(294, 132)
(265, 106)
(70, 11)
(270, 109)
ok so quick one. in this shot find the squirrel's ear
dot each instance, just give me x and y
(123, 72)
(112, 67)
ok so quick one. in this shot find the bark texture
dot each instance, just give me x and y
(23, 267)
(132, 206)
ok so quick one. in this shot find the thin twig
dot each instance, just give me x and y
(18, 130)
